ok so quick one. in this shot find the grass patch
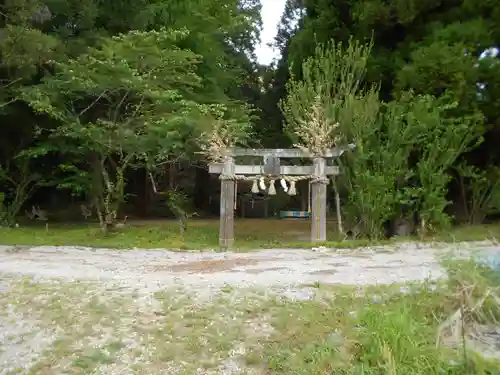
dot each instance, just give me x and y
(350, 334)
(200, 235)
(67, 317)
(384, 330)
(203, 234)
(97, 330)
(469, 233)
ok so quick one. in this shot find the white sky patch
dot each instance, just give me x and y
(490, 52)
(271, 16)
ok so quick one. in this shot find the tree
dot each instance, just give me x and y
(404, 148)
(125, 102)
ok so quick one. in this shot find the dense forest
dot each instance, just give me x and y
(105, 105)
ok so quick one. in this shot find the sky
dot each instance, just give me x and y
(271, 16)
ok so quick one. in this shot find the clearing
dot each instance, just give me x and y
(75, 310)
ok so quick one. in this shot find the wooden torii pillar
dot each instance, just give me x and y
(318, 173)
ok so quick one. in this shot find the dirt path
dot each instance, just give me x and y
(77, 310)
(149, 271)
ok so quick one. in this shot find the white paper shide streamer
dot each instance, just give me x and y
(262, 185)
(284, 185)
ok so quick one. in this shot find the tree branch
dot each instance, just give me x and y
(3, 105)
(122, 100)
(93, 103)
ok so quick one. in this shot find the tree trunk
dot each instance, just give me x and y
(337, 207)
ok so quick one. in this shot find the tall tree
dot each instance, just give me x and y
(61, 59)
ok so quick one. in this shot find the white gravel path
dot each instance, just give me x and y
(283, 271)
(279, 267)
(148, 270)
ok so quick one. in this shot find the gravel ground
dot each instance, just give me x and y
(150, 270)
(77, 310)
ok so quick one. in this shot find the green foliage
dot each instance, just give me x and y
(129, 98)
(377, 170)
(402, 162)
(480, 190)
(178, 202)
(25, 49)
(447, 137)
(3, 210)
(123, 99)
(404, 149)
(20, 182)
(227, 128)
(423, 46)
(114, 85)
(330, 78)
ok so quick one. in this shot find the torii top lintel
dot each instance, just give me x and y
(287, 152)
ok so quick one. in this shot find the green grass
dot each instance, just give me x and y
(344, 333)
(352, 335)
(203, 234)
(200, 235)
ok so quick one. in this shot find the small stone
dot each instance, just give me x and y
(336, 339)
(404, 289)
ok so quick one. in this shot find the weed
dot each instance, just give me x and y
(227, 289)
(203, 234)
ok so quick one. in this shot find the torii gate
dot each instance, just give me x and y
(271, 170)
